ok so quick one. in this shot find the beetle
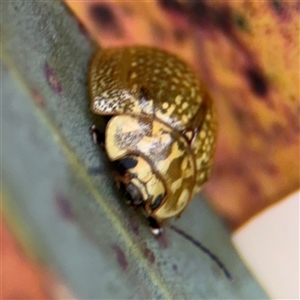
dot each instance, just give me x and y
(162, 127)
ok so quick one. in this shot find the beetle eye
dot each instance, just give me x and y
(126, 163)
(133, 194)
(157, 202)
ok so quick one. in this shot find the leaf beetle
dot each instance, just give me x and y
(162, 127)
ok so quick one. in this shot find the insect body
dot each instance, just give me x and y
(162, 126)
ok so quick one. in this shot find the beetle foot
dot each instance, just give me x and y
(155, 228)
(97, 136)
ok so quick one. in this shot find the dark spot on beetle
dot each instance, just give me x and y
(172, 5)
(127, 163)
(257, 81)
(149, 255)
(179, 35)
(277, 5)
(241, 22)
(52, 79)
(157, 202)
(158, 32)
(134, 225)
(105, 19)
(63, 205)
(144, 93)
(121, 257)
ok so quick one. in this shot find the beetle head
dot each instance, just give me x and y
(140, 183)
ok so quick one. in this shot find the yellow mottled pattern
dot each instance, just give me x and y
(145, 80)
(167, 152)
(164, 114)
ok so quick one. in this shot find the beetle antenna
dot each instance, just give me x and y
(203, 248)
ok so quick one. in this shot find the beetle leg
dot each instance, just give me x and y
(97, 136)
(155, 227)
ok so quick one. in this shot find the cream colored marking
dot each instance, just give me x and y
(165, 139)
(164, 165)
(186, 83)
(178, 73)
(155, 187)
(108, 72)
(202, 134)
(131, 124)
(143, 169)
(176, 124)
(173, 87)
(184, 105)
(184, 164)
(133, 75)
(184, 118)
(167, 211)
(197, 189)
(189, 135)
(113, 151)
(165, 105)
(208, 117)
(199, 162)
(134, 63)
(176, 185)
(183, 198)
(178, 99)
(146, 105)
(188, 172)
(167, 70)
(174, 79)
(192, 92)
(171, 109)
(146, 144)
(156, 71)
